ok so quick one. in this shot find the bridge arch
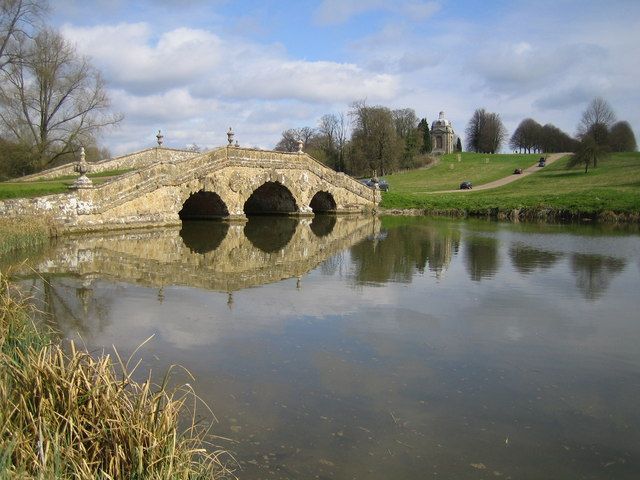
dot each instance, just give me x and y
(203, 205)
(323, 202)
(270, 198)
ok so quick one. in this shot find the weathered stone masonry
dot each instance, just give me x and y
(156, 194)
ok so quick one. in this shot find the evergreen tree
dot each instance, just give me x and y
(426, 136)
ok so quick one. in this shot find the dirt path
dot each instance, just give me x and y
(511, 178)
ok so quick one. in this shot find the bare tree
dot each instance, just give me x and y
(332, 138)
(552, 139)
(288, 142)
(596, 120)
(405, 121)
(18, 18)
(52, 99)
(290, 138)
(527, 136)
(374, 142)
(588, 153)
(485, 132)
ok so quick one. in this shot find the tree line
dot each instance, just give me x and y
(366, 139)
(597, 128)
(371, 139)
(52, 100)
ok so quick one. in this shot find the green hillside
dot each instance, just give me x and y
(447, 174)
(613, 186)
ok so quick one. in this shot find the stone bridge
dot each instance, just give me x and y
(229, 182)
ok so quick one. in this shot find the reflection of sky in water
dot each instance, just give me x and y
(498, 362)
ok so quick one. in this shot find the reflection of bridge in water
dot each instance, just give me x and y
(211, 255)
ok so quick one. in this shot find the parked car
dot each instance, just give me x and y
(379, 184)
(517, 171)
(466, 185)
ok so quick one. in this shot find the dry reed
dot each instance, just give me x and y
(22, 233)
(67, 414)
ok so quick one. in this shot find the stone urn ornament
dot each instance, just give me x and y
(82, 168)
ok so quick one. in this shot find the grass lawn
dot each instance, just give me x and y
(613, 186)
(479, 168)
(48, 187)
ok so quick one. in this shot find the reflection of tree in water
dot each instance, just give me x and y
(594, 273)
(270, 233)
(526, 259)
(322, 225)
(203, 236)
(333, 264)
(404, 250)
(71, 305)
(481, 255)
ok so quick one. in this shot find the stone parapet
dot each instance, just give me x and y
(136, 160)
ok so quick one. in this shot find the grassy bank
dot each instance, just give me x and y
(448, 172)
(67, 414)
(50, 187)
(609, 191)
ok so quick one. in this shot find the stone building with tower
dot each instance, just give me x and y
(443, 138)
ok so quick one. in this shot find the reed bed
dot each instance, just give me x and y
(65, 413)
(20, 233)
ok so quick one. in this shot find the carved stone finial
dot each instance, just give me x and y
(236, 144)
(300, 146)
(160, 138)
(230, 135)
(82, 168)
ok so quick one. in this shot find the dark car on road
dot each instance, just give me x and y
(379, 184)
(517, 171)
(466, 185)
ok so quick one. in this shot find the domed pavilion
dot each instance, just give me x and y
(442, 136)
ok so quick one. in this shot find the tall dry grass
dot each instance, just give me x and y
(22, 233)
(67, 414)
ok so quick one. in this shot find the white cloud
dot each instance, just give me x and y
(195, 78)
(310, 81)
(173, 105)
(128, 57)
(211, 67)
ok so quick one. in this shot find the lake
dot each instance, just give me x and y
(364, 348)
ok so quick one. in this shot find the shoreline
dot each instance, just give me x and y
(545, 214)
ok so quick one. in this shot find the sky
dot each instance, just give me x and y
(194, 68)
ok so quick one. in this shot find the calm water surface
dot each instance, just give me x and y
(357, 348)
